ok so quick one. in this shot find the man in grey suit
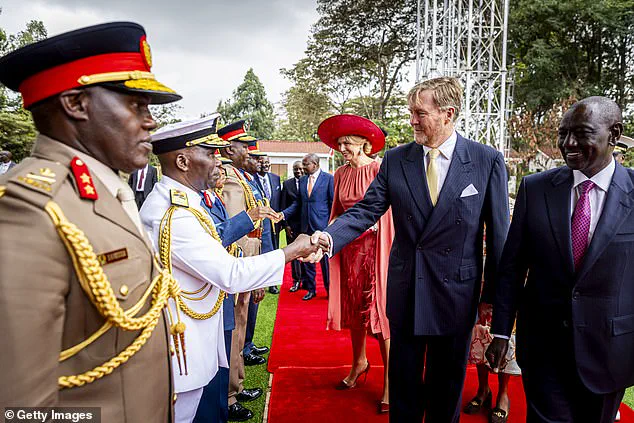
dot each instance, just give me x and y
(142, 181)
(445, 191)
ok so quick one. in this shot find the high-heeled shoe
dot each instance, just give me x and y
(382, 407)
(343, 385)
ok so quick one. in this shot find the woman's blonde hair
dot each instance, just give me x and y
(356, 139)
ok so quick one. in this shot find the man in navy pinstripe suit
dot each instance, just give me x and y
(445, 191)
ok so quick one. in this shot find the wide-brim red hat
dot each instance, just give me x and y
(335, 127)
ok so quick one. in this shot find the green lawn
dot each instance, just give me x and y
(258, 376)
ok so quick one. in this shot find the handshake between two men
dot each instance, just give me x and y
(310, 249)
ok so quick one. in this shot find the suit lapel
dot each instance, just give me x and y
(413, 168)
(457, 178)
(617, 208)
(557, 197)
(320, 180)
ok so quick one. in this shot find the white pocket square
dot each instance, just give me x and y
(469, 191)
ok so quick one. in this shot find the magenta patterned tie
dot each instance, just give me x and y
(581, 224)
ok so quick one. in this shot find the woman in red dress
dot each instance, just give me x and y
(358, 274)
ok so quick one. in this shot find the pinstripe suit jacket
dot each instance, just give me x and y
(436, 261)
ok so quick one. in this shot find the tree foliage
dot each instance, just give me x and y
(249, 102)
(354, 63)
(365, 45)
(306, 104)
(17, 131)
(571, 48)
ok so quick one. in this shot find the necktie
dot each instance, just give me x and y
(432, 175)
(139, 185)
(126, 198)
(580, 227)
(267, 189)
(310, 185)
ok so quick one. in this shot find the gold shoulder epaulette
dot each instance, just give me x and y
(36, 180)
(178, 198)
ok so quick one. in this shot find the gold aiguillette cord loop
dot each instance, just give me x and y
(96, 285)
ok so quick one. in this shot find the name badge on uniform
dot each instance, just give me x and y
(178, 198)
(113, 256)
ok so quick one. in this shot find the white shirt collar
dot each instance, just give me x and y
(603, 179)
(315, 175)
(447, 147)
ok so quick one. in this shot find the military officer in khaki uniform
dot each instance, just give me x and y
(81, 296)
(238, 196)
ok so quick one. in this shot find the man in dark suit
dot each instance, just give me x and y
(6, 163)
(445, 191)
(269, 184)
(316, 191)
(142, 181)
(573, 234)
(290, 192)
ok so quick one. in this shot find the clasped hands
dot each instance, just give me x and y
(264, 212)
(308, 249)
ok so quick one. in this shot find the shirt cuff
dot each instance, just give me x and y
(329, 253)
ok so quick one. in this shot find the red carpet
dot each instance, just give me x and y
(307, 362)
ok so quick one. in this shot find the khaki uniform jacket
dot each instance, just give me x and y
(43, 309)
(233, 196)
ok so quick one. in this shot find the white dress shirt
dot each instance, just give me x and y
(444, 158)
(140, 181)
(314, 177)
(602, 181)
(198, 259)
(264, 180)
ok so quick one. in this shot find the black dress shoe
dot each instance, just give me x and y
(253, 360)
(259, 350)
(237, 413)
(309, 296)
(295, 287)
(249, 394)
(274, 290)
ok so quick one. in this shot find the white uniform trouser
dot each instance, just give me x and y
(186, 405)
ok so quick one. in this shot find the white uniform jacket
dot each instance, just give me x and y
(197, 259)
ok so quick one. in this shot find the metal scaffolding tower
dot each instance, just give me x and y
(467, 39)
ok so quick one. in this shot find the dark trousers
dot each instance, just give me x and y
(251, 320)
(310, 272)
(296, 265)
(426, 376)
(554, 391)
(213, 406)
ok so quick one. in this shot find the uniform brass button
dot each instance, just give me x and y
(124, 290)
(174, 398)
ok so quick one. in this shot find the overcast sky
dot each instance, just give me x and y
(200, 48)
